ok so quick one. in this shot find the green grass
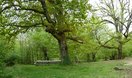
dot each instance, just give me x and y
(83, 70)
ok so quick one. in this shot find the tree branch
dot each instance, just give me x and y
(76, 39)
(43, 3)
(7, 7)
(104, 44)
(25, 26)
(31, 9)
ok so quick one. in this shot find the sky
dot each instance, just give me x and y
(95, 2)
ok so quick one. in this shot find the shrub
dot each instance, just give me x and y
(4, 49)
(3, 74)
(11, 60)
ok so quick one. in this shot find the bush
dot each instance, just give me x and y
(3, 74)
(4, 49)
(11, 60)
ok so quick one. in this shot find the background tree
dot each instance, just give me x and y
(119, 14)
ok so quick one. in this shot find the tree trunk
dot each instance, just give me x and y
(120, 51)
(119, 40)
(94, 56)
(88, 57)
(45, 53)
(63, 50)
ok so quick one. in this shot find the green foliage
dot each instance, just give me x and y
(4, 49)
(71, 18)
(30, 46)
(127, 49)
(62, 16)
(11, 60)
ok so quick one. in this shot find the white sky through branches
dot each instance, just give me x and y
(94, 4)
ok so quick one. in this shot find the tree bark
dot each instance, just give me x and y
(119, 40)
(65, 59)
(120, 51)
(45, 53)
(94, 56)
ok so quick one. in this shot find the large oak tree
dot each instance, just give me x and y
(58, 17)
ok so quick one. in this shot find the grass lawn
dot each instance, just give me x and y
(102, 69)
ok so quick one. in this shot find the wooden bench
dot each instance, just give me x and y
(46, 62)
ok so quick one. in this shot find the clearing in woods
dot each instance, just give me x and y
(101, 69)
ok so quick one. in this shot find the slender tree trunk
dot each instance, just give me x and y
(120, 51)
(45, 53)
(93, 56)
(63, 50)
(88, 57)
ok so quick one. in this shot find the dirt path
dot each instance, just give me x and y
(128, 61)
(128, 67)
